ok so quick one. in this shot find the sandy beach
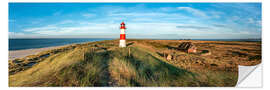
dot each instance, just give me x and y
(22, 53)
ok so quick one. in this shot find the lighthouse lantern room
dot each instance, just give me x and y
(122, 35)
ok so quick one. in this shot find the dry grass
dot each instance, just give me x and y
(103, 63)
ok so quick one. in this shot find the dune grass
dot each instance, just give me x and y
(143, 69)
(40, 72)
(105, 64)
(83, 67)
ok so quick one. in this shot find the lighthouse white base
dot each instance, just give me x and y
(122, 43)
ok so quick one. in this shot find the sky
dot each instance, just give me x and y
(143, 20)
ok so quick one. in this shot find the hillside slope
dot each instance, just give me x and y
(105, 64)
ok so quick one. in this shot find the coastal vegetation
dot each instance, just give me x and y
(141, 63)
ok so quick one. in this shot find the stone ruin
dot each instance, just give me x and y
(188, 47)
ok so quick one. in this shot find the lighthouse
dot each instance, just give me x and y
(122, 35)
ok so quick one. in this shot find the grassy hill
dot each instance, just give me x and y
(141, 63)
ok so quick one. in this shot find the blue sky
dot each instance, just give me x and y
(143, 20)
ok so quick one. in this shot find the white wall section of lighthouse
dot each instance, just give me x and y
(122, 31)
(122, 43)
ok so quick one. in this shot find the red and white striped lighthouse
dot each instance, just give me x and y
(122, 35)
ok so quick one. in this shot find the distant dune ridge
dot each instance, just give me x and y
(141, 63)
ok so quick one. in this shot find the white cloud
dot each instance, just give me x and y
(195, 12)
(88, 28)
(145, 30)
(252, 21)
(244, 32)
(164, 20)
(15, 34)
(39, 28)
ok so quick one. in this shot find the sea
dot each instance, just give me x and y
(20, 44)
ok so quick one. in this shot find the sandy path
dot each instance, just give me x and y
(22, 53)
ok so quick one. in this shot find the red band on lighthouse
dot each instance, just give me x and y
(122, 37)
(123, 27)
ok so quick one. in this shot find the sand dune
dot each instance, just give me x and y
(23, 53)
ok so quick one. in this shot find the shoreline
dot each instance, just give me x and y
(13, 54)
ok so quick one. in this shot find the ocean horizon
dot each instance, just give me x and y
(33, 43)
